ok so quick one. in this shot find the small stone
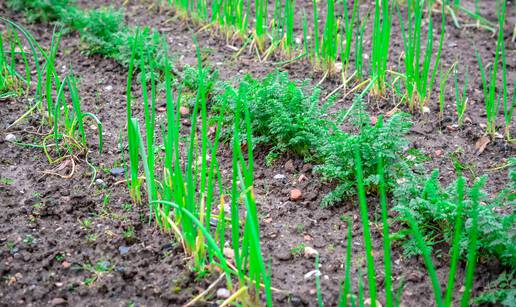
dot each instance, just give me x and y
(223, 293)
(93, 127)
(295, 301)
(310, 252)
(284, 256)
(279, 177)
(467, 120)
(426, 110)
(58, 284)
(311, 273)
(438, 153)
(295, 194)
(66, 264)
(184, 111)
(229, 253)
(117, 171)
(58, 301)
(109, 88)
(10, 137)
(289, 166)
(368, 301)
(161, 109)
(123, 250)
(374, 120)
(307, 168)
(311, 196)
(100, 182)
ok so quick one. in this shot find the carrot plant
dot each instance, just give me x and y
(45, 11)
(419, 73)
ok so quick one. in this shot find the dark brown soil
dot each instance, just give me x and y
(45, 249)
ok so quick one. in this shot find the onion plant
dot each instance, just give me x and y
(10, 74)
(290, 6)
(419, 73)
(182, 197)
(359, 41)
(381, 43)
(348, 28)
(490, 79)
(461, 100)
(260, 31)
(330, 43)
(64, 121)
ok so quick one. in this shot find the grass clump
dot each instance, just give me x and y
(41, 11)
(435, 208)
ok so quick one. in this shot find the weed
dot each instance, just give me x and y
(128, 233)
(29, 240)
(298, 250)
(86, 223)
(6, 181)
(127, 207)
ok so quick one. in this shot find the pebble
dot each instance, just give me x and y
(426, 110)
(311, 274)
(100, 182)
(10, 137)
(66, 264)
(295, 194)
(109, 88)
(58, 301)
(289, 166)
(184, 111)
(229, 253)
(310, 252)
(123, 250)
(284, 256)
(279, 177)
(295, 301)
(367, 302)
(117, 171)
(223, 293)
(438, 153)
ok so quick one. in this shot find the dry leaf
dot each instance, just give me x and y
(481, 144)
